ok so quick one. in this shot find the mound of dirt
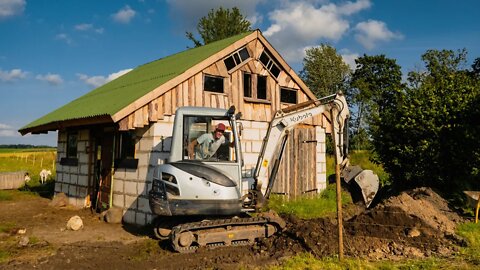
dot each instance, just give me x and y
(416, 223)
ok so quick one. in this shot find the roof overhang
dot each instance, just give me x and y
(61, 125)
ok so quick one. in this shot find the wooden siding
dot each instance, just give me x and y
(190, 93)
(297, 172)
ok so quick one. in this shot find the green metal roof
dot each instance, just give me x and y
(121, 92)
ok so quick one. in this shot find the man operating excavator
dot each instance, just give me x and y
(205, 146)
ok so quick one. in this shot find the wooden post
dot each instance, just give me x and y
(339, 212)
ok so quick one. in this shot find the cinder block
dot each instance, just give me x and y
(82, 180)
(59, 177)
(256, 147)
(163, 129)
(118, 186)
(81, 146)
(141, 188)
(143, 204)
(72, 190)
(82, 192)
(145, 144)
(320, 134)
(129, 216)
(119, 173)
(131, 202)
(246, 124)
(131, 174)
(321, 157)
(58, 187)
(118, 200)
(62, 136)
(260, 125)
(65, 188)
(143, 158)
(74, 179)
(83, 169)
(250, 159)
(82, 158)
(131, 187)
(251, 135)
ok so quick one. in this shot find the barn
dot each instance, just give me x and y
(111, 139)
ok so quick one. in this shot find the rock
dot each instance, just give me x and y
(75, 223)
(413, 232)
(60, 200)
(113, 215)
(24, 240)
(22, 231)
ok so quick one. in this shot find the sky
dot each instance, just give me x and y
(52, 52)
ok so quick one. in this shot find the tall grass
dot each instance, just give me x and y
(324, 204)
(29, 160)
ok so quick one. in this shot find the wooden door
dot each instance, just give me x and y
(297, 173)
(103, 169)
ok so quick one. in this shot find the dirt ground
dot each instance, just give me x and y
(414, 224)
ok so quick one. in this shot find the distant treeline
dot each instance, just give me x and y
(24, 146)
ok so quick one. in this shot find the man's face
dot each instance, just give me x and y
(218, 134)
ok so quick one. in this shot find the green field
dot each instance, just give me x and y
(28, 160)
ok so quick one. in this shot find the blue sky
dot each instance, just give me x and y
(52, 52)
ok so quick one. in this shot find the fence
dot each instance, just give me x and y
(12, 180)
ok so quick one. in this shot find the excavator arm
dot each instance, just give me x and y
(276, 138)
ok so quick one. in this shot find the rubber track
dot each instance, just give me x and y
(210, 224)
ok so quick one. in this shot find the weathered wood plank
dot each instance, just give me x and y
(167, 101)
(123, 124)
(185, 93)
(160, 108)
(145, 115)
(199, 89)
(191, 91)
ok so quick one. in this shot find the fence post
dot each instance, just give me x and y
(339, 212)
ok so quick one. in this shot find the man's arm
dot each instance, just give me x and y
(191, 148)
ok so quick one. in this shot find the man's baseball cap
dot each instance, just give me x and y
(221, 127)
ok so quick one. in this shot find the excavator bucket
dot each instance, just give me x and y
(367, 180)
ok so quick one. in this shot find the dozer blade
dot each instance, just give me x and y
(367, 180)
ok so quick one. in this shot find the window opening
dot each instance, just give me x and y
(213, 84)
(262, 87)
(72, 145)
(247, 85)
(236, 58)
(270, 64)
(208, 138)
(288, 95)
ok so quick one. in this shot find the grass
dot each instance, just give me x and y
(325, 204)
(29, 160)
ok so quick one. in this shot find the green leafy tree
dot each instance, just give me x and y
(427, 134)
(376, 92)
(324, 71)
(219, 24)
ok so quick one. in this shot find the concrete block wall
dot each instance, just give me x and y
(73, 180)
(131, 186)
(321, 158)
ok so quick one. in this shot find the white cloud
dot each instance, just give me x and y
(12, 75)
(11, 8)
(371, 32)
(349, 59)
(65, 38)
(124, 15)
(84, 27)
(298, 24)
(97, 81)
(7, 131)
(53, 79)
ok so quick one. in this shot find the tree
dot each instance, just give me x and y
(375, 94)
(428, 135)
(219, 24)
(324, 71)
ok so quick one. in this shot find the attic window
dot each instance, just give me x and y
(213, 83)
(236, 58)
(288, 95)
(269, 64)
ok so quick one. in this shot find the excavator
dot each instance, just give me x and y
(211, 201)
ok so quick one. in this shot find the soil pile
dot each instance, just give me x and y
(416, 223)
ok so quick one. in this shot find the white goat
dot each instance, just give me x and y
(44, 175)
